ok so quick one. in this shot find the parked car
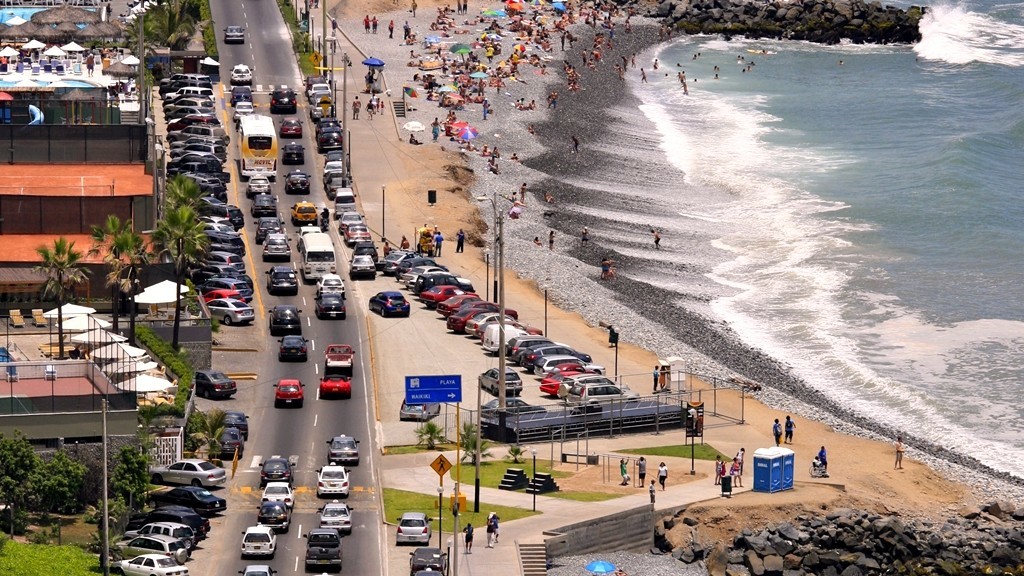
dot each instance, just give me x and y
(362, 267)
(231, 441)
(389, 304)
(288, 392)
(237, 419)
(434, 296)
(173, 529)
(231, 311)
(336, 515)
(275, 470)
(546, 365)
(592, 389)
(413, 528)
(330, 306)
(423, 558)
(512, 406)
(343, 449)
(323, 549)
(166, 546)
(259, 541)
(213, 383)
(192, 471)
(176, 514)
(293, 348)
(332, 480)
(418, 412)
(195, 497)
(446, 307)
(489, 381)
(149, 565)
(535, 360)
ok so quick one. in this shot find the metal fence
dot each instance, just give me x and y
(58, 144)
(47, 400)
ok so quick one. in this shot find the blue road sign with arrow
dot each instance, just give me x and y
(433, 389)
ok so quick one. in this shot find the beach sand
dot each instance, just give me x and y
(862, 467)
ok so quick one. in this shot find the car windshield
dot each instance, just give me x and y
(343, 443)
(206, 466)
(335, 512)
(257, 537)
(333, 474)
(275, 465)
(277, 490)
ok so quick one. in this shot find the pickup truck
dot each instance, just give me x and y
(323, 548)
(338, 359)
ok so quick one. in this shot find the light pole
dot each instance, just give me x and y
(534, 451)
(440, 519)
(105, 529)
(383, 200)
(346, 136)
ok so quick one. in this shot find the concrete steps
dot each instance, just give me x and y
(532, 559)
(399, 107)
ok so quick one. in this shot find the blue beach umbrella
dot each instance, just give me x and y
(558, 6)
(432, 39)
(479, 75)
(373, 62)
(601, 567)
(494, 13)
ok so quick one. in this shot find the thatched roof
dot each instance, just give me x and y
(66, 13)
(120, 70)
(26, 30)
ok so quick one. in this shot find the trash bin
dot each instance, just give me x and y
(462, 502)
(726, 486)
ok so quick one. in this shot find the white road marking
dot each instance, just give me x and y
(298, 537)
(257, 461)
(316, 416)
(312, 345)
(297, 558)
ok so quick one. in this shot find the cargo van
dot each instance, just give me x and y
(318, 257)
(490, 341)
(344, 201)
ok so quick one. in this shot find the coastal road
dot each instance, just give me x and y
(299, 434)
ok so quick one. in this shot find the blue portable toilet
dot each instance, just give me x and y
(774, 469)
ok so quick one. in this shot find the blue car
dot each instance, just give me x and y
(389, 303)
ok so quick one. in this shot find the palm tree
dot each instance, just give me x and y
(171, 24)
(183, 191)
(468, 443)
(180, 237)
(429, 433)
(103, 243)
(135, 256)
(125, 252)
(211, 427)
(61, 264)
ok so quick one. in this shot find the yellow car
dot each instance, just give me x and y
(304, 213)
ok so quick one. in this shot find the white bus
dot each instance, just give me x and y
(317, 250)
(258, 146)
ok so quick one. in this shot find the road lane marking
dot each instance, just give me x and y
(256, 462)
(316, 416)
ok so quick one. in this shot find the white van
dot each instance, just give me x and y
(491, 336)
(344, 201)
(318, 257)
(195, 92)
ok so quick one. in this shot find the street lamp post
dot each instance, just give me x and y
(534, 451)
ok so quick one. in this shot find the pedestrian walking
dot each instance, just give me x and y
(575, 145)
(899, 454)
(486, 108)
(460, 240)
(497, 526)
(662, 475)
(643, 76)
(623, 472)
(435, 128)
(414, 7)
(657, 239)
(391, 29)
(718, 469)
(490, 530)
(404, 245)
(90, 64)
(651, 491)
(522, 193)
(740, 456)
(468, 531)
(406, 30)
(777, 432)
(734, 471)
(366, 23)
(373, 24)
(641, 470)
(438, 240)
(790, 426)
(584, 236)
(551, 240)
(356, 105)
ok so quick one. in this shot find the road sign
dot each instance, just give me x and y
(315, 58)
(441, 465)
(433, 389)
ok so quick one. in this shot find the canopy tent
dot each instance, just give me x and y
(145, 383)
(33, 45)
(209, 62)
(72, 47)
(160, 293)
(130, 60)
(55, 52)
(97, 336)
(15, 21)
(9, 52)
(69, 309)
(118, 350)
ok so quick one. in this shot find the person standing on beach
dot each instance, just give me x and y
(643, 76)
(356, 105)
(657, 239)
(575, 145)
(656, 374)
(777, 432)
(391, 29)
(438, 240)
(522, 193)
(406, 30)
(718, 469)
(373, 24)
(486, 108)
(739, 458)
(899, 454)
(790, 426)
(460, 240)
(734, 472)
(641, 470)
(366, 24)
(662, 475)
(651, 491)
(468, 531)
(435, 129)
(585, 236)
(551, 240)
(414, 7)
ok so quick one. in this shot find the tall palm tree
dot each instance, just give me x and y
(135, 256)
(125, 252)
(183, 191)
(61, 264)
(180, 237)
(103, 243)
(171, 24)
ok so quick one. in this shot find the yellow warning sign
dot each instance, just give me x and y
(441, 465)
(316, 58)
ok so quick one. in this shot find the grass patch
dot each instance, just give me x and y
(584, 496)
(492, 471)
(19, 559)
(301, 42)
(701, 452)
(418, 449)
(398, 502)
(74, 531)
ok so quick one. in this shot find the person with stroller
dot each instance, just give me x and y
(819, 466)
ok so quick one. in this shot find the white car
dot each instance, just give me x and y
(257, 185)
(242, 109)
(258, 570)
(231, 311)
(336, 515)
(333, 166)
(279, 492)
(332, 480)
(149, 565)
(259, 540)
(192, 471)
(350, 218)
(315, 89)
(330, 284)
(409, 278)
(241, 75)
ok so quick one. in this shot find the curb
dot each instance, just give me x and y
(242, 375)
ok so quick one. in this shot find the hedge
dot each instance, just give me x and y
(209, 30)
(175, 363)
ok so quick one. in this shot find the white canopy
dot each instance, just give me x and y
(118, 350)
(160, 293)
(97, 336)
(8, 52)
(72, 47)
(82, 322)
(33, 45)
(130, 61)
(144, 383)
(55, 51)
(70, 310)
(209, 62)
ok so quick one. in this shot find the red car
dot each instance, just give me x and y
(446, 307)
(221, 293)
(336, 385)
(291, 127)
(549, 385)
(437, 294)
(288, 392)
(185, 122)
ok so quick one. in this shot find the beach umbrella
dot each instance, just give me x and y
(26, 30)
(82, 322)
(414, 126)
(492, 36)
(66, 13)
(69, 309)
(101, 30)
(33, 45)
(8, 52)
(55, 52)
(600, 567)
(517, 6)
(145, 383)
(209, 62)
(15, 21)
(160, 293)
(494, 13)
(117, 350)
(120, 70)
(479, 75)
(95, 336)
(459, 125)
(446, 89)
(410, 91)
(558, 6)
(130, 60)
(5, 97)
(468, 133)
(373, 62)
(72, 47)
(460, 49)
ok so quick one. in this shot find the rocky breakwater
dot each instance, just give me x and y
(819, 21)
(845, 542)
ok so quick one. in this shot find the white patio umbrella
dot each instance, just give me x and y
(33, 45)
(209, 62)
(8, 52)
(97, 336)
(414, 126)
(69, 310)
(82, 322)
(130, 61)
(26, 83)
(118, 350)
(55, 52)
(145, 383)
(15, 21)
(160, 293)
(72, 47)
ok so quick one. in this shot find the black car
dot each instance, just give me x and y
(263, 205)
(230, 211)
(284, 319)
(323, 549)
(237, 419)
(293, 153)
(225, 242)
(293, 348)
(241, 94)
(282, 280)
(328, 141)
(197, 498)
(180, 514)
(330, 306)
(296, 183)
(266, 226)
(231, 439)
(328, 125)
(209, 186)
(208, 271)
(214, 384)
(423, 558)
(275, 515)
(275, 470)
(282, 101)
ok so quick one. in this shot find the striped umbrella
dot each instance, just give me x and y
(468, 133)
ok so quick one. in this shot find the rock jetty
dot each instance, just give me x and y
(819, 21)
(845, 542)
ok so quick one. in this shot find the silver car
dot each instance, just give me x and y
(257, 185)
(418, 412)
(154, 544)
(362, 266)
(592, 389)
(336, 515)
(413, 528)
(489, 381)
(192, 471)
(231, 311)
(276, 247)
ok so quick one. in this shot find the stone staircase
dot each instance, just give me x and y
(515, 479)
(542, 483)
(532, 559)
(399, 107)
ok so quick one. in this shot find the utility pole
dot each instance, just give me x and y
(346, 142)
(105, 529)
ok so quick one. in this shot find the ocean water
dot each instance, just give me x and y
(865, 210)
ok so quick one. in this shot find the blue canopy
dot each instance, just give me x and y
(373, 62)
(601, 567)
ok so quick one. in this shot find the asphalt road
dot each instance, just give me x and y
(296, 433)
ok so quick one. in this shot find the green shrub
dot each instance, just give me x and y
(209, 33)
(175, 362)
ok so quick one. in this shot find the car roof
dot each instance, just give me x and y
(392, 294)
(259, 528)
